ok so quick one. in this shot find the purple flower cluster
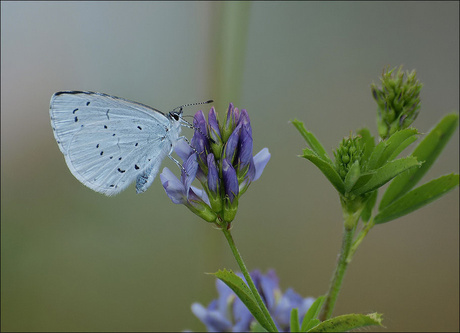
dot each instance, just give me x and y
(220, 157)
(228, 314)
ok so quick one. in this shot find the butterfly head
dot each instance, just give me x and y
(176, 115)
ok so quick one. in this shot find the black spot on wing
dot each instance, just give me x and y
(102, 152)
(140, 128)
(136, 167)
(121, 171)
(105, 126)
(76, 118)
(87, 103)
(74, 111)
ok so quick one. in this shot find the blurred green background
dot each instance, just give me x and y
(75, 260)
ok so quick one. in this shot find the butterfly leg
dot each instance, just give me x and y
(178, 163)
(188, 142)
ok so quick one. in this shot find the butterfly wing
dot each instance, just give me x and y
(108, 142)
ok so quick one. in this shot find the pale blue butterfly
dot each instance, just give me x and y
(108, 142)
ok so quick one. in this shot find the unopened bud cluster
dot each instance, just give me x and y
(349, 151)
(398, 101)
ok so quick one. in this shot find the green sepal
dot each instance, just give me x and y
(217, 146)
(312, 141)
(311, 317)
(352, 176)
(348, 322)
(230, 209)
(202, 210)
(214, 199)
(327, 169)
(368, 143)
(386, 173)
(295, 320)
(427, 151)
(241, 289)
(417, 198)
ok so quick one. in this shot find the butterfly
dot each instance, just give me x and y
(109, 142)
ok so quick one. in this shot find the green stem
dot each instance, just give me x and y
(338, 276)
(350, 222)
(245, 272)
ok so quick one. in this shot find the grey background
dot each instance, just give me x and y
(74, 260)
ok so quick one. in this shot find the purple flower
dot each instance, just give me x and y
(213, 174)
(227, 313)
(224, 164)
(181, 191)
(200, 140)
(232, 144)
(214, 130)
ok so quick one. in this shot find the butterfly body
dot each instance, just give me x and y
(109, 142)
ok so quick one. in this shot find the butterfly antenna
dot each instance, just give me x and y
(189, 124)
(191, 104)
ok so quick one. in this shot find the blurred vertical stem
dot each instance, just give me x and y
(230, 40)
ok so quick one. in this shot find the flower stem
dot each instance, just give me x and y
(342, 264)
(245, 272)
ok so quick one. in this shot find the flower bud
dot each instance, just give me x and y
(349, 151)
(214, 133)
(199, 140)
(231, 191)
(398, 101)
(230, 124)
(213, 188)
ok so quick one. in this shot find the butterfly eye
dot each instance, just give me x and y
(175, 115)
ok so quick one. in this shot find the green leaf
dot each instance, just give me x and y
(375, 156)
(312, 141)
(386, 173)
(427, 151)
(394, 142)
(312, 314)
(295, 320)
(352, 176)
(348, 322)
(326, 168)
(417, 198)
(370, 203)
(241, 289)
(368, 143)
(402, 146)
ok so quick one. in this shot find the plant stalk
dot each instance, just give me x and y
(350, 222)
(245, 272)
